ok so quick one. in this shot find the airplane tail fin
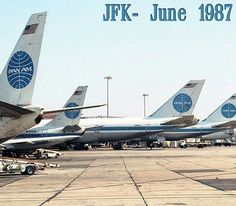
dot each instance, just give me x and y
(70, 118)
(182, 103)
(225, 112)
(18, 76)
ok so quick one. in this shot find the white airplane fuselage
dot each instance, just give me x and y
(120, 129)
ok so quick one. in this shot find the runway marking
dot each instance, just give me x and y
(137, 187)
(185, 176)
(68, 185)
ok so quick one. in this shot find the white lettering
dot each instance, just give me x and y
(23, 69)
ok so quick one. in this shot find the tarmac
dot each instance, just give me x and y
(130, 177)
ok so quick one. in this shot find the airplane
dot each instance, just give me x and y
(66, 127)
(17, 83)
(221, 121)
(63, 124)
(175, 113)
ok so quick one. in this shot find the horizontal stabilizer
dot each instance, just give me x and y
(70, 128)
(227, 125)
(188, 120)
(72, 108)
(9, 110)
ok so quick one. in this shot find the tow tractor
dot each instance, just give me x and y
(45, 154)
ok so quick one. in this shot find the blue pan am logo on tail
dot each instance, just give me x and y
(72, 114)
(228, 110)
(20, 70)
(182, 103)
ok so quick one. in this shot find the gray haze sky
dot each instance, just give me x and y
(157, 58)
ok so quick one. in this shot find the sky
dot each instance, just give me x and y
(156, 58)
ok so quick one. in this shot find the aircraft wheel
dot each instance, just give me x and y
(29, 170)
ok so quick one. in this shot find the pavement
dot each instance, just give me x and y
(131, 177)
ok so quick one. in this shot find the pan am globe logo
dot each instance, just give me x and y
(20, 70)
(228, 110)
(72, 114)
(182, 103)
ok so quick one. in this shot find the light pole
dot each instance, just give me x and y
(144, 104)
(108, 78)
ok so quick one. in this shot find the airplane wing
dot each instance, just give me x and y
(72, 108)
(188, 120)
(9, 110)
(33, 141)
(227, 125)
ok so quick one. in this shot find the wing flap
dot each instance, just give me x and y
(72, 108)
